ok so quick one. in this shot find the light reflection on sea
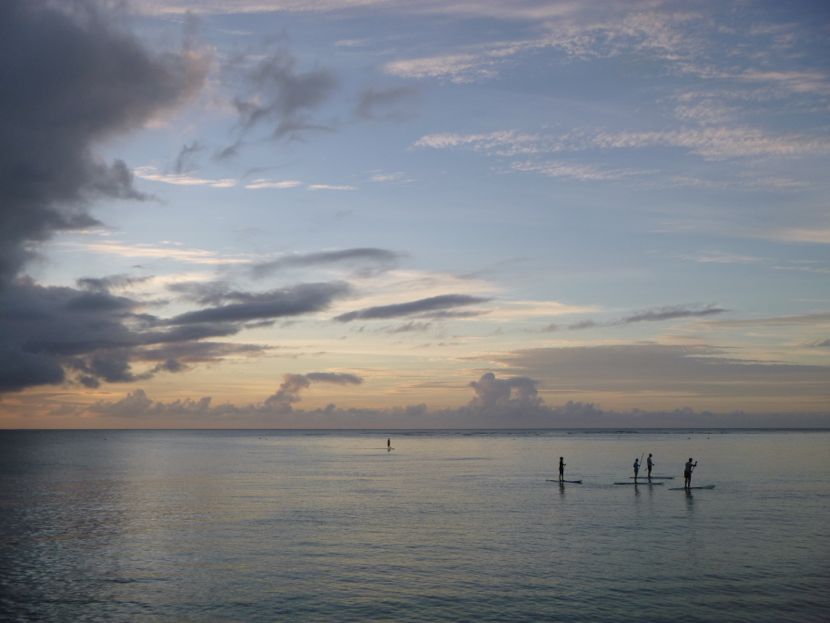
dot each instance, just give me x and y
(264, 526)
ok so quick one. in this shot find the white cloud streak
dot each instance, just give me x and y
(181, 179)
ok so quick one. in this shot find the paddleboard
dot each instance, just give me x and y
(645, 483)
(572, 482)
(687, 488)
(654, 477)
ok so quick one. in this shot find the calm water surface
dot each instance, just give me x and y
(450, 526)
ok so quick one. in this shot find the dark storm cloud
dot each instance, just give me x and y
(421, 306)
(384, 104)
(370, 259)
(281, 98)
(69, 79)
(294, 301)
(52, 334)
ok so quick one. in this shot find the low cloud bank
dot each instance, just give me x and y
(506, 403)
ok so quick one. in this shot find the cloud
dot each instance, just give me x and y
(294, 301)
(282, 98)
(709, 143)
(493, 393)
(109, 283)
(672, 312)
(505, 143)
(167, 252)
(510, 402)
(288, 392)
(184, 160)
(331, 187)
(384, 104)
(52, 335)
(796, 320)
(181, 179)
(439, 303)
(656, 314)
(690, 371)
(369, 260)
(78, 80)
(581, 172)
(260, 184)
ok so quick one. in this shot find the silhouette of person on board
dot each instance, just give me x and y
(561, 469)
(389, 444)
(636, 469)
(687, 473)
(649, 466)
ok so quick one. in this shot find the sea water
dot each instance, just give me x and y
(449, 526)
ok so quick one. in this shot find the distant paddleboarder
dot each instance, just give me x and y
(687, 473)
(561, 469)
(649, 466)
(636, 469)
(388, 444)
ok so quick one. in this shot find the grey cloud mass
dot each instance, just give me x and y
(421, 306)
(51, 335)
(301, 299)
(71, 79)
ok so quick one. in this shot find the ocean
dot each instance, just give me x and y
(449, 526)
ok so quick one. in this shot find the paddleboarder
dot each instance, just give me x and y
(389, 444)
(561, 469)
(636, 469)
(687, 473)
(649, 466)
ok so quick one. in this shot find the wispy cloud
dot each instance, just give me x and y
(580, 172)
(260, 184)
(498, 143)
(171, 252)
(708, 142)
(421, 306)
(181, 179)
(331, 187)
(655, 314)
(367, 260)
(381, 177)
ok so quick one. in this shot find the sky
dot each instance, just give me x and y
(387, 214)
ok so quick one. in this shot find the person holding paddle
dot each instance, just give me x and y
(687, 473)
(649, 466)
(636, 469)
(561, 469)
